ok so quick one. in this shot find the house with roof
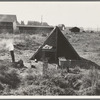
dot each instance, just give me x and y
(33, 29)
(8, 23)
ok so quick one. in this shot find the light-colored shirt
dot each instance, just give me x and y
(9, 45)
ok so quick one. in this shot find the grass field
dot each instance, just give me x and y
(29, 81)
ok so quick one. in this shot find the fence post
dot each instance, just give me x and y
(45, 64)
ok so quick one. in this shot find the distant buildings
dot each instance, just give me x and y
(9, 24)
(75, 29)
(32, 29)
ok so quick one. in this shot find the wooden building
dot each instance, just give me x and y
(8, 23)
(32, 29)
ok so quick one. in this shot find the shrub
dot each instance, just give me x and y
(76, 70)
(59, 81)
(3, 69)
(56, 90)
(90, 79)
(11, 78)
(70, 91)
(31, 79)
(6, 90)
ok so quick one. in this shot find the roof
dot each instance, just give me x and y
(75, 28)
(35, 26)
(59, 47)
(7, 18)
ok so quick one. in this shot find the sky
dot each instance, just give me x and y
(80, 14)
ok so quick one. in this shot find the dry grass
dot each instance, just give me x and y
(28, 81)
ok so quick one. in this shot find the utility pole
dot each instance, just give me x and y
(97, 29)
(41, 20)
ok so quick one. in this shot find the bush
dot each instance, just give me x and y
(11, 78)
(59, 81)
(90, 82)
(76, 70)
(3, 69)
(56, 90)
(31, 79)
(70, 91)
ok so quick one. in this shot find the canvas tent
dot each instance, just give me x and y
(55, 46)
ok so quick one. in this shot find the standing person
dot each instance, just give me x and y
(10, 47)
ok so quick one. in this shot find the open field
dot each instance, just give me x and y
(87, 45)
(29, 81)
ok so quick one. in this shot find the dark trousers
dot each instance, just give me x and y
(12, 56)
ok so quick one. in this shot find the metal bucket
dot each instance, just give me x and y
(63, 63)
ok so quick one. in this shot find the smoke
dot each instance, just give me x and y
(6, 44)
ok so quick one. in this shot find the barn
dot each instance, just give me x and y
(8, 23)
(32, 29)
